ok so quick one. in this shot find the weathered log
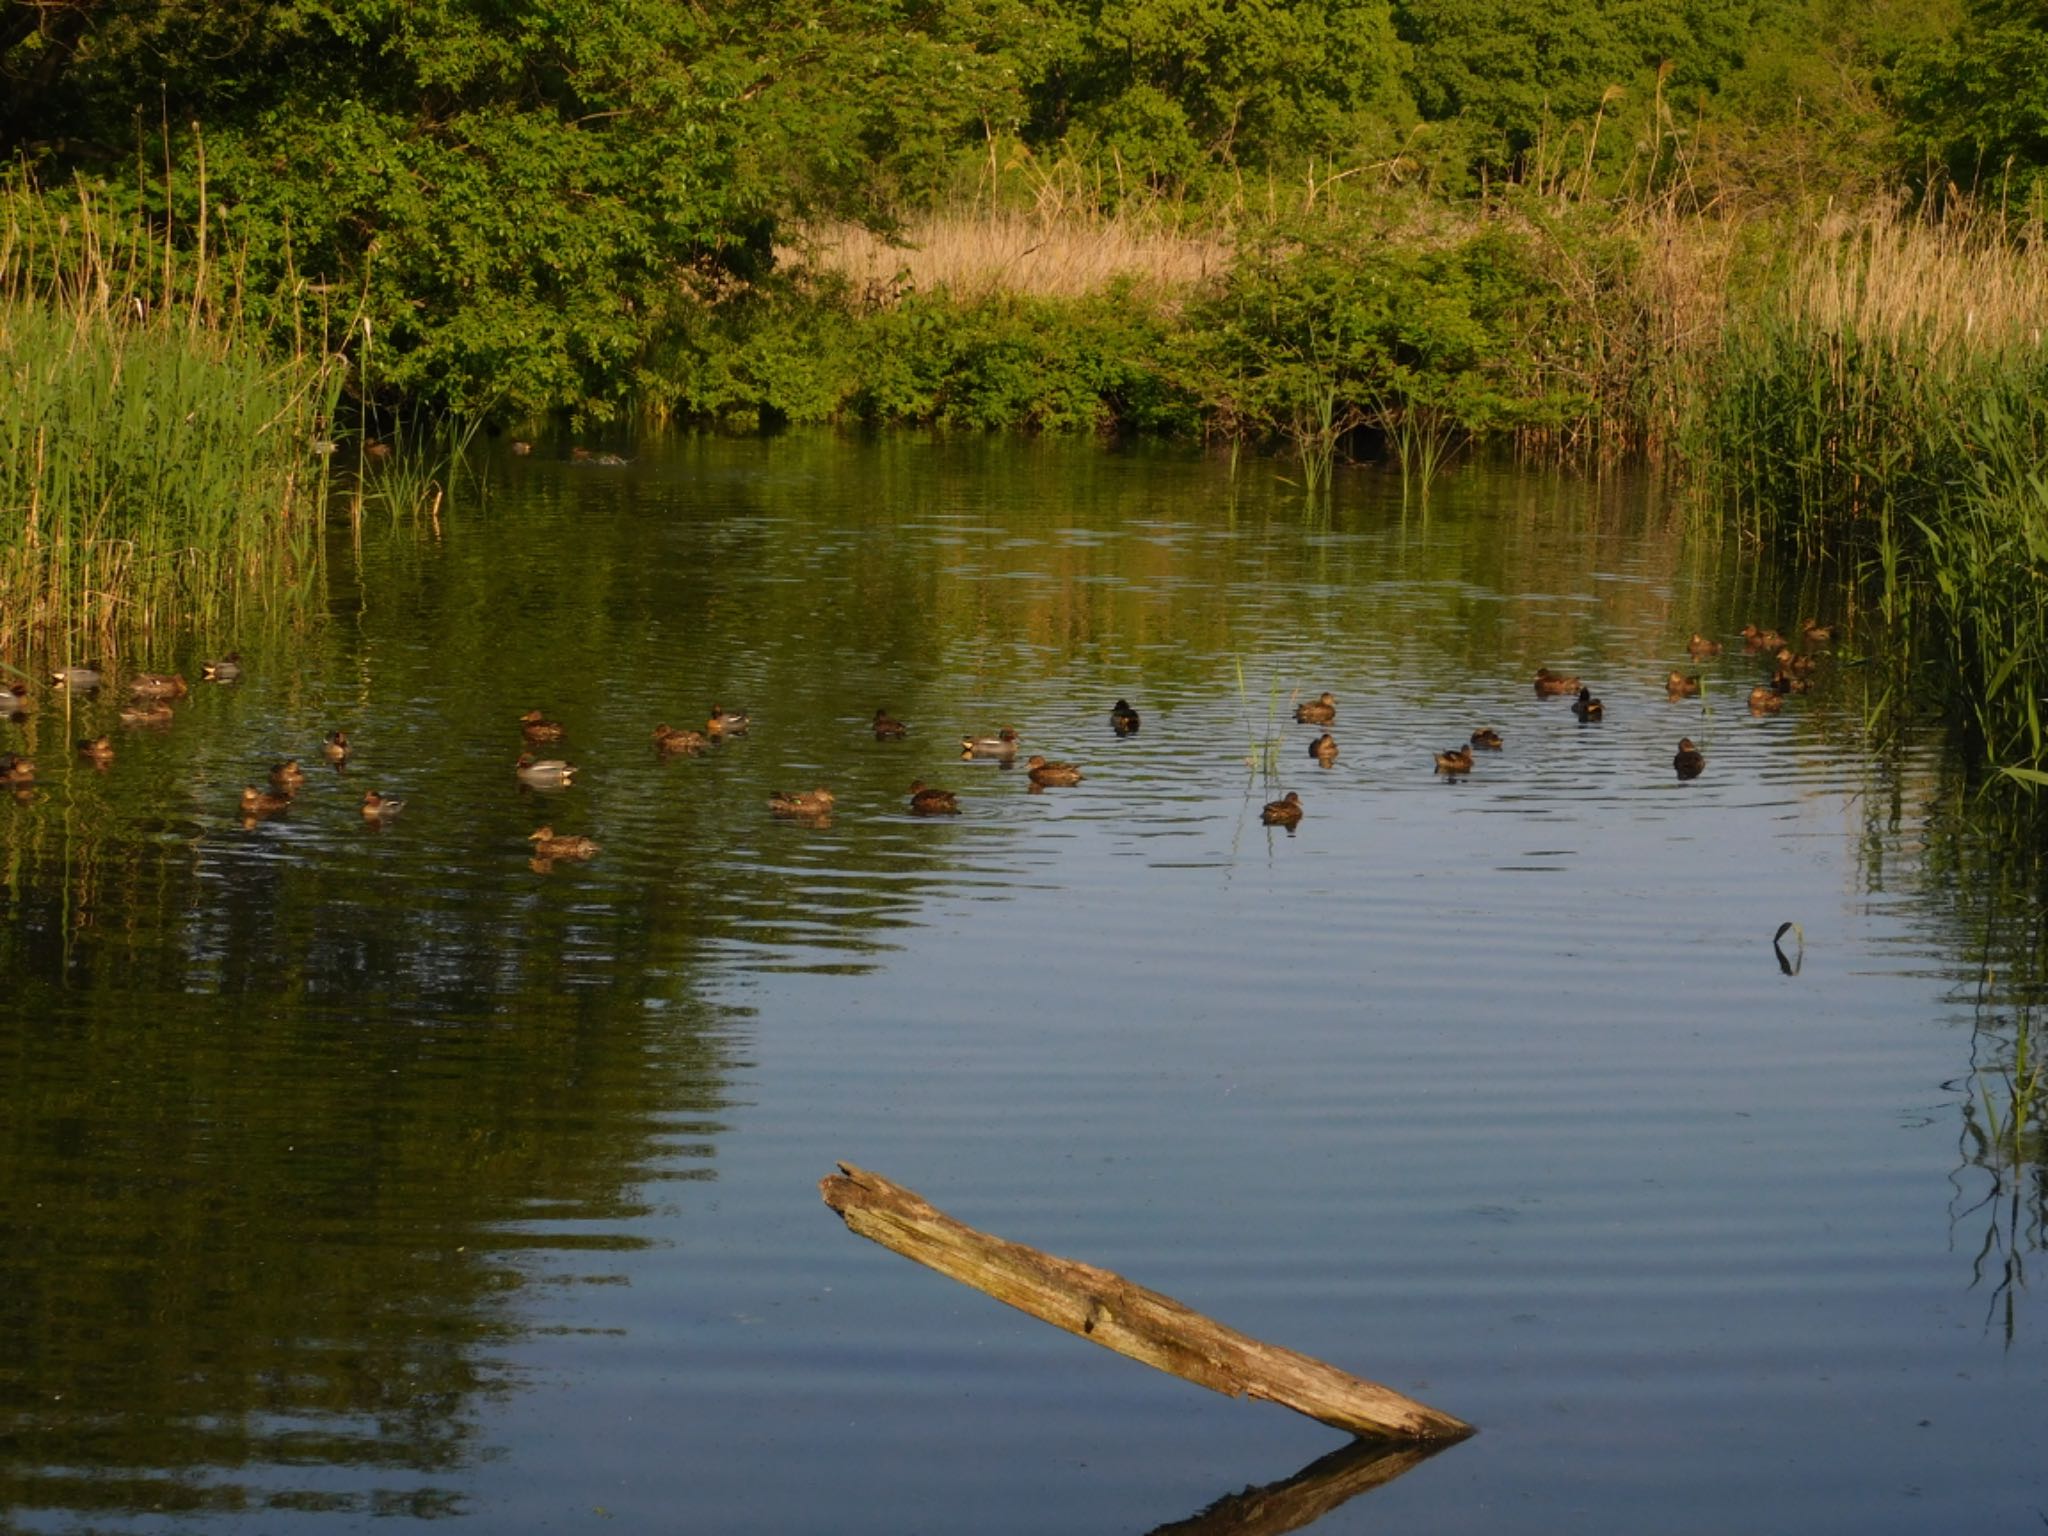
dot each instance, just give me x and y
(1126, 1317)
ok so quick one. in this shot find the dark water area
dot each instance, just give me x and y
(352, 1173)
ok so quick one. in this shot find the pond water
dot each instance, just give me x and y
(357, 1172)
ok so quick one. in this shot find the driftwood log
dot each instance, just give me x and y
(1127, 1318)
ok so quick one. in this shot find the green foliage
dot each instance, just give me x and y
(1976, 103)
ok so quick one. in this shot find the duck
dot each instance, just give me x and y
(13, 699)
(521, 448)
(98, 750)
(1817, 633)
(224, 669)
(536, 727)
(1456, 761)
(1123, 719)
(263, 802)
(1587, 707)
(288, 774)
(806, 802)
(1002, 744)
(888, 729)
(1321, 710)
(16, 769)
(1700, 645)
(146, 712)
(1795, 663)
(668, 739)
(546, 845)
(929, 800)
(1486, 738)
(1282, 813)
(1324, 749)
(1681, 686)
(1043, 772)
(81, 678)
(1761, 639)
(1688, 759)
(1550, 686)
(602, 460)
(543, 773)
(336, 746)
(159, 685)
(378, 807)
(723, 723)
(1763, 701)
(1784, 682)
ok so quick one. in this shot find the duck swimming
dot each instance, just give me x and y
(378, 807)
(1324, 749)
(1680, 686)
(724, 723)
(1486, 738)
(159, 685)
(336, 746)
(927, 800)
(1002, 744)
(1549, 685)
(224, 670)
(263, 802)
(889, 729)
(1282, 813)
(536, 727)
(543, 773)
(1688, 760)
(288, 774)
(548, 846)
(668, 739)
(82, 678)
(1700, 645)
(98, 750)
(1317, 711)
(1123, 719)
(1764, 701)
(1043, 772)
(1456, 761)
(1761, 639)
(16, 769)
(807, 802)
(1587, 707)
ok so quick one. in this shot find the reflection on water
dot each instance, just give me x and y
(384, 1170)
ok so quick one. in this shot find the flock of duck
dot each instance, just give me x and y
(150, 696)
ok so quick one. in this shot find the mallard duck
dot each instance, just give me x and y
(887, 729)
(1282, 813)
(146, 712)
(1043, 772)
(336, 746)
(668, 739)
(1002, 744)
(1486, 738)
(159, 685)
(1123, 719)
(1324, 749)
(543, 773)
(1587, 707)
(724, 723)
(264, 802)
(1457, 760)
(537, 727)
(81, 678)
(16, 769)
(224, 670)
(1550, 686)
(378, 807)
(1795, 663)
(1688, 760)
(928, 800)
(806, 802)
(97, 749)
(1762, 701)
(1817, 633)
(1761, 639)
(1321, 710)
(548, 846)
(1700, 645)
(1680, 686)
(288, 774)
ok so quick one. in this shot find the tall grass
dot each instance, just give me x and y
(157, 469)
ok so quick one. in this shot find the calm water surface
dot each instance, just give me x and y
(355, 1173)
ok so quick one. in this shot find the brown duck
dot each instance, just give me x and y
(264, 802)
(803, 802)
(1550, 686)
(1324, 749)
(1456, 761)
(1764, 701)
(1688, 760)
(1043, 772)
(536, 727)
(547, 846)
(1700, 645)
(928, 800)
(889, 729)
(1486, 738)
(1321, 710)
(159, 685)
(378, 807)
(1282, 813)
(668, 739)
(336, 746)
(1761, 639)
(1681, 686)
(99, 750)
(288, 774)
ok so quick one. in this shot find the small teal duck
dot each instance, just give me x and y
(264, 802)
(336, 746)
(1679, 685)
(378, 807)
(1123, 719)
(159, 685)
(929, 800)
(16, 769)
(1817, 633)
(288, 774)
(97, 750)
(1002, 744)
(547, 846)
(804, 802)
(668, 739)
(1550, 685)
(1763, 700)
(1454, 762)
(888, 728)
(83, 679)
(1796, 664)
(1700, 645)
(543, 773)
(1321, 710)
(1282, 813)
(13, 699)
(1587, 707)
(1486, 738)
(537, 727)
(1043, 772)
(1761, 639)
(727, 723)
(224, 669)
(1689, 761)
(1324, 749)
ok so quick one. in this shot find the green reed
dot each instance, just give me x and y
(157, 467)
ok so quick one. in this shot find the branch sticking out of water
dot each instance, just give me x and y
(1789, 967)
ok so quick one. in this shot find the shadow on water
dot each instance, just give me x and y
(1296, 1502)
